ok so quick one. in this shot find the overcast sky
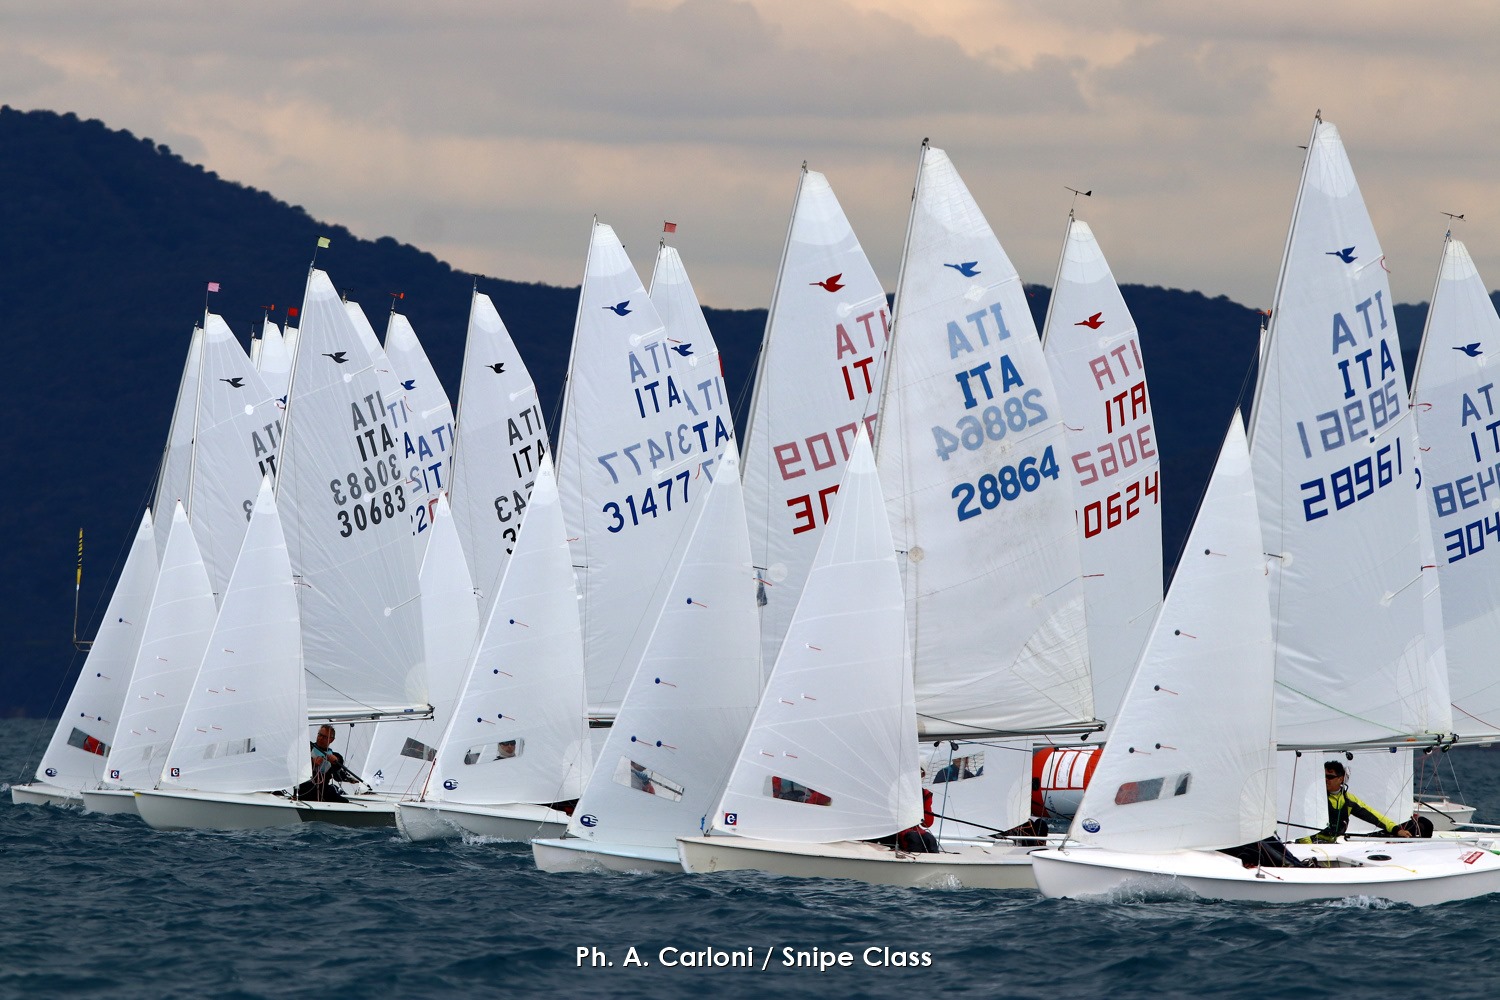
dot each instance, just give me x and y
(490, 132)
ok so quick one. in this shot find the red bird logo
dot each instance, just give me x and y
(830, 284)
(1093, 322)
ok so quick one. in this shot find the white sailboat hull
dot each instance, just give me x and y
(110, 801)
(1444, 813)
(517, 821)
(38, 793)
(1421, 873)
(973, 866)
(577, 855)
(191, 810)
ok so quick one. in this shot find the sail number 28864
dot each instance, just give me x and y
(1006, 483)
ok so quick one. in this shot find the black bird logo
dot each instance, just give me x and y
(1472, 350)
(968, 268)
(683, 349)
(498, 367)
(234, 383)
(1346, 255)
(620, 308)
(409, 384)
(337, 356)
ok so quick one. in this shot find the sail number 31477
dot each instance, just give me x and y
(1005, 484)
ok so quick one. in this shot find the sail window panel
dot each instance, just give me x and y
(788, 790)
(1152, 789)
(634, 774)
(83, 741)
(229, 748)
(417, 750)
(485, 753)
(960, 769)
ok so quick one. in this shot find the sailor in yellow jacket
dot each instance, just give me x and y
(1342, 805)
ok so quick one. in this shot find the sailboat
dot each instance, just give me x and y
(344, 505)
(75, 757)
(427, 439)
(830, 759)
(665, 761)
(1332, 461)
(517, 745)
(178, 625)
(817, 382)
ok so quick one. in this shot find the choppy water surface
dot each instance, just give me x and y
(104, 905)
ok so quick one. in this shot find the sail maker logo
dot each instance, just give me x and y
(589, 820)
(731, 819)
(1091, 826)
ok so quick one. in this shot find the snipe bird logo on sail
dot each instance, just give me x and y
(620, 308)
(337, 356)
(1472, 350)
(1093, 322)
(683, 349)
(498, 367)
(1346, 255)
(830, 284)
(234, 383)
(409, 384)
(968, 268)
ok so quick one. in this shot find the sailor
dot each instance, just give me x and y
(327, 767)
(1342, 804)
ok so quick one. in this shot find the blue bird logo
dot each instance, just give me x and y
(1472, 350)
(968, 268)
(337, 356)
(620, 308)
(1346, 255)
(683, 349)
(409, 384)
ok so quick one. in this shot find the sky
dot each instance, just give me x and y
(491, 133)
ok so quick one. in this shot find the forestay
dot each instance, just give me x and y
(817, 383)
(668, 755)
(641, 431)
(518, 732)
(1455, 402)
(244, 726)
(346, 509)
(832, 753)
(500, 444)
(1191, 758)
(75, 757)
(970, 448)
(175, 637)
(1334, 456)
(1094, 353)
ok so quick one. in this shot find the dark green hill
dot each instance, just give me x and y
(107, 242)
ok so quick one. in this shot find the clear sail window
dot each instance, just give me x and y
(634, 774)
(960, 769)
(785, 788)
(417, 750)
(485, 753)
(1152, 789)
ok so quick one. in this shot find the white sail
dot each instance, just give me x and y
(971, 449)
(831, 754)
(525, 683)
(1334, 451)
(172, 645)
(1095, 356)
(244, 726)
(1455, 402)
(237, 437)
(1191, 758)
(273, 360)
(401, 752)
(75, 757)
(427, 439)
(346, 510)
(501, 442)
(641, 429)
(669, 753)
(177, 457)
(818, 380)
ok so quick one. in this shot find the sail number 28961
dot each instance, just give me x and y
(1006, 483)
(1352, 483)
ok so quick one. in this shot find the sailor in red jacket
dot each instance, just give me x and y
(919, 839)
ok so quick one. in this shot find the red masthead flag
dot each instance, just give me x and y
(213, 286)
(669, 227)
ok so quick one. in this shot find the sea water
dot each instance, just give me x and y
(103, 905)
